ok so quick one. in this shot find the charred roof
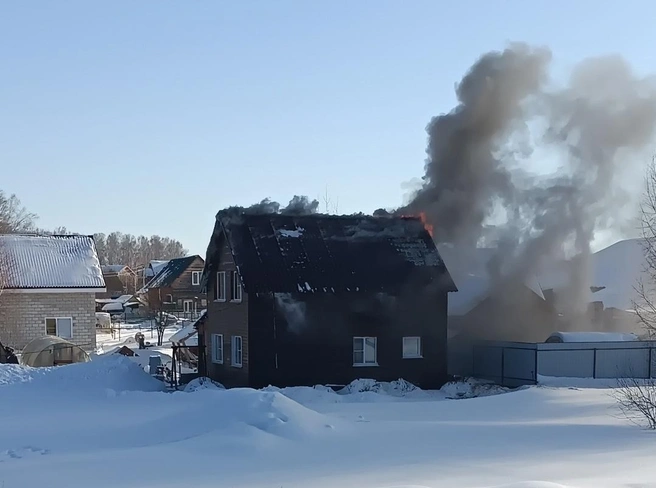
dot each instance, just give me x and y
(325, 253)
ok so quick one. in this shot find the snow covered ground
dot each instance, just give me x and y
(107, 343)
(106, 424)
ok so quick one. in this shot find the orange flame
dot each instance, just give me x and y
(422, 217)
(427, 226)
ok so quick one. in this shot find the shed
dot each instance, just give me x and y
(52, 351)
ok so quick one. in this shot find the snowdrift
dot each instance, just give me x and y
(114, 372)
(369, 390)
(202, 384)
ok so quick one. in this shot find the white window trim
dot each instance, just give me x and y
(421, 352)
(233, 352)
(191, 306)
(235, 284)
(222, 275)
(217, 339)
(195, 278)
(365, 365)
(57, 319)
(168, 298)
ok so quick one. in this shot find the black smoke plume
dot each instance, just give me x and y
(480, 185)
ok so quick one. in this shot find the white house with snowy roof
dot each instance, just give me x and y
(615, 275)
(48, 286)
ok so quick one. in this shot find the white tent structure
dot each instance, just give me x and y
(52, 351)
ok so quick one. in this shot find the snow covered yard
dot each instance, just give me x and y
(107, 344)
(106, 423)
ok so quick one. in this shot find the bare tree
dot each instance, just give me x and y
(645, 301)
(7, 270)
(14, 217)
(636, 399)
(330, 207)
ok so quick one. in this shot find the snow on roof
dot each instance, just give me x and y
(113, 307)
(67, 261)
(169, 272)
(470, 274)
(154, 267)
(112, 268)
(617, 268)
(187, 335)
(591, 337)
(123, 298)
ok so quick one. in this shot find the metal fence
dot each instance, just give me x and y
(516, 364)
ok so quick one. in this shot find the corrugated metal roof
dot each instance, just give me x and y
(50, 262)
(321, 253)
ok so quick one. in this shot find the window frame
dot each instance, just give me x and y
(420, 352)
(217, 288)
(195, 278)
(364, 353)
(184, 306)
(57, 319)
(235, 284)
(234, 349)
(217, 339)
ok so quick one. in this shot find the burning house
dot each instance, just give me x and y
(317, 299)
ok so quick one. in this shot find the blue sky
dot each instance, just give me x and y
(148, 117)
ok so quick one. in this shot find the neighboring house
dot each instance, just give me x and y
(615, 275)
(50, 288)
(119, 280)
(324, 300)
(150, 271)
(491, 308)
(494, 308)
(177, 287)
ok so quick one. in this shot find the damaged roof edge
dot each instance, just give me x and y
(398, 239)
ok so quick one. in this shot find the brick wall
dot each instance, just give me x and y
(22, 316)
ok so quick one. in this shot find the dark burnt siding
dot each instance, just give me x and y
(321, 350)
(228, 318)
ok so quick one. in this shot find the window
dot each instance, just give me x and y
(236, 286)
(364, 351)
(188, 305)
(195, 278)
(411, 347)
(203, 302)
(237, 351)
(168, 299)
(220, 287)
(217, 348)
(60, 327)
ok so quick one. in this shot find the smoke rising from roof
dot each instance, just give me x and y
(298, 205)
(478, 169)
